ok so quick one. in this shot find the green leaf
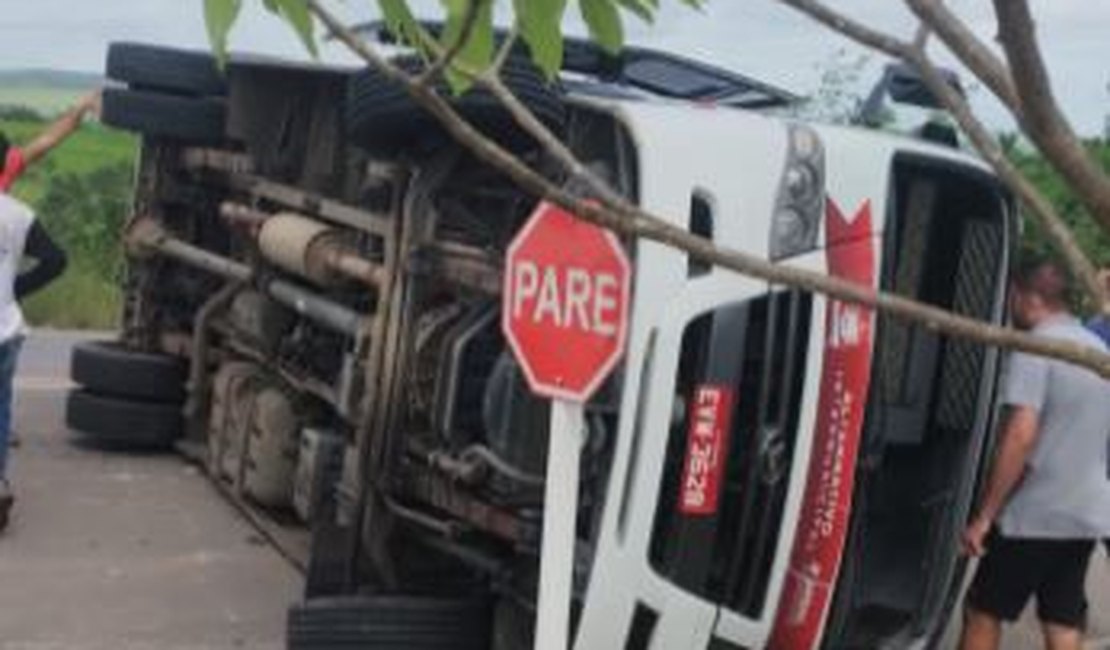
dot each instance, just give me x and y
(477, 52)
(219, 17)
(541, 26)
(296, 13)
(401, 21)
(604, 21)
(644, 9)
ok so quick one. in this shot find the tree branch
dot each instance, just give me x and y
(1063, 240)
(921, 38)
(624, 218)
(506, 49)
(854, 30)
(1044, 122)
(1057, 231)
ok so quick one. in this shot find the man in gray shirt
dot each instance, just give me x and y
(1047, 498)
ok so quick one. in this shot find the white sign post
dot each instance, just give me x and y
(565, 315)
(564, 450)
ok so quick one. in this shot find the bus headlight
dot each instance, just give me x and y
(799, 206)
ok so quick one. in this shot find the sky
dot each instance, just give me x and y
(756, 37)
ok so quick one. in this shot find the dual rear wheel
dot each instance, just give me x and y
(125, 398)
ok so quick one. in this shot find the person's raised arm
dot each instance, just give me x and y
(61, 128)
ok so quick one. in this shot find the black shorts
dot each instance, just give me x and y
(1014, 569)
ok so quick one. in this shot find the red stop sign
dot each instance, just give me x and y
(565, 310)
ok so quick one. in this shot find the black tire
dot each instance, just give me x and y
(123, 422)
(381, 117)
(390, 623)
(175, 71)
(189, 119)
(108, 368)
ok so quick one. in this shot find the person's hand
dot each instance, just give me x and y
(975, 536)
(91, 103)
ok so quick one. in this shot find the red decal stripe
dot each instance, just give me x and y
(827, 501)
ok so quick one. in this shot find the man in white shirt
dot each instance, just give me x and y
(20, 236)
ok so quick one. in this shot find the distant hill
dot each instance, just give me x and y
(45, 92)
(43, 78)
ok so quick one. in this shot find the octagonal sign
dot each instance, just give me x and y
(566, 300)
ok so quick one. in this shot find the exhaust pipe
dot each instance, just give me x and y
(146, 238)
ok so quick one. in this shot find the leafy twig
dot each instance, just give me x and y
(506, 50)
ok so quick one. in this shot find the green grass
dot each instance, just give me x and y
(80, 299)
(87, 296)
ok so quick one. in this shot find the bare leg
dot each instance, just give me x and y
(981, 631)
(1060, 637)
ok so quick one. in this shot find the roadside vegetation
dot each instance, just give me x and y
(1093, 239)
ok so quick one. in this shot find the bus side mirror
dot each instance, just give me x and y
(901, 84)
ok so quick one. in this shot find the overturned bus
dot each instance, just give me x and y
(312, 314)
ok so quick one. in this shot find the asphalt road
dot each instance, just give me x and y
(111, 551)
